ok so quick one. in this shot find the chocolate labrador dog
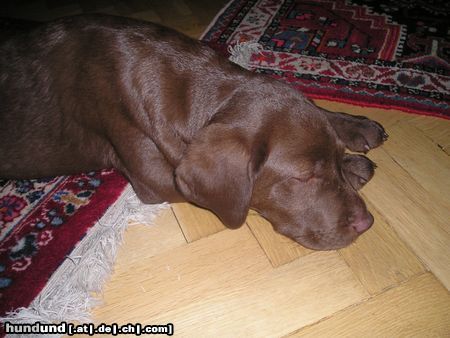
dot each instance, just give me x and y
(182, 123)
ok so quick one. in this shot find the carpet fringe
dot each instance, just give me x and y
(73, 289)
(241, 53)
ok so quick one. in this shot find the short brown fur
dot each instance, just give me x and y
(181, 123)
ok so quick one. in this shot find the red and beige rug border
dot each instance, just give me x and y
(362, 82)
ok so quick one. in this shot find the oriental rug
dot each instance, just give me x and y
(385, 54)
(58, 241)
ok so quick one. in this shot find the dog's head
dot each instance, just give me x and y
(295, 173)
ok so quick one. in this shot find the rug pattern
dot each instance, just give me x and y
(362, 52)
(41, 221)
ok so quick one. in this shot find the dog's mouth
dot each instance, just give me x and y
(325, 240)
(317, 239)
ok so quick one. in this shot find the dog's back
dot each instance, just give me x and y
(36, 120)
(58, 84)
(67, 86)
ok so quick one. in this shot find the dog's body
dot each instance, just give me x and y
(181, 123)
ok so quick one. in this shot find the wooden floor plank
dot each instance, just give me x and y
(379, 258)
(278, 248)
(150, 240)
(224, 285)
(294, 295)
(148, 15)
(419, 308)
(196, 222)
(412, 212)
(422, 159)
(438, 130)
(155, 285)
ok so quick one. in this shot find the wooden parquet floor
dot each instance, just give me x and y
(189, 270)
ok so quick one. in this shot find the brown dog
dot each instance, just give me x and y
(181, 123)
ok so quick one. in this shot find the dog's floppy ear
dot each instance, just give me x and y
(218, 171)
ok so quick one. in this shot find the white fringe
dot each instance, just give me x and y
(70, 293)
(241, 53)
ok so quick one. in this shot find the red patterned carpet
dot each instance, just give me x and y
(41, 221)
(387, 54)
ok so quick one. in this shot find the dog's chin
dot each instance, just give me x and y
(325, 244)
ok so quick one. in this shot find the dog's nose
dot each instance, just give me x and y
(363, 223)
